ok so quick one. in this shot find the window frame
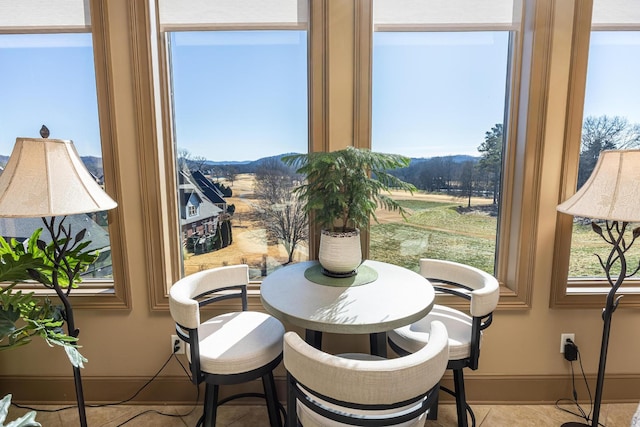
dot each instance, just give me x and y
(330, 103)
(98, 294)
(580, 292)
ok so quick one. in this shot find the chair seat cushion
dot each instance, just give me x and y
(239, 342)
(416, 335)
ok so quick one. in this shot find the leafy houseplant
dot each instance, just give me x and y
(27, 420)
(343, 190)
(22, 315)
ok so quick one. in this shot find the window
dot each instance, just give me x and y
(48, 76)
(610, 120)
(193, 211)
(238, 84)
(439, 98)
(62, 96)
(442, 93)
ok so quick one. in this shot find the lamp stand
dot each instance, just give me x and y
(63, 243)
(614, 235)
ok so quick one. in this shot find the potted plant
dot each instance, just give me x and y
(342, 191)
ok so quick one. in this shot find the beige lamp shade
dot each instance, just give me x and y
(45, 177)
(612, 191)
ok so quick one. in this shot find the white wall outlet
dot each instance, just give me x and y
(564, 338)
(181, 344)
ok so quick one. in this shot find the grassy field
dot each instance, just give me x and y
(436, 230)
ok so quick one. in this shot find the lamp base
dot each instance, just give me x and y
(575, 424)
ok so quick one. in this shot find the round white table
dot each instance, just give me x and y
(395, 298)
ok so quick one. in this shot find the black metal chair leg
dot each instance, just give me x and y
(271, 396)
(210, 405)
(292, 415)
(433, 411)
(461, 398)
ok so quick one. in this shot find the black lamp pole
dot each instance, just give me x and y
(63, 243)
(614, 235)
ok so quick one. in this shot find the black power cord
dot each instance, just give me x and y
(572, 353)
(173, 355)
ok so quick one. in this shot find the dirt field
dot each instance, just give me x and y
(249, 243)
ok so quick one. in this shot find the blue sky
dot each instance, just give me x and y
(437, 93)
(240, 96)
(48, 79)
(612, 77)
(243, 96)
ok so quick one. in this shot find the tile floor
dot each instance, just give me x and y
(612, 415)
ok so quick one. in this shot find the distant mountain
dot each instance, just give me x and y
(456, 158)
(233, 162)
(248, 166)
(94, 164)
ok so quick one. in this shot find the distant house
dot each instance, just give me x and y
(210, 190)
(201, 208)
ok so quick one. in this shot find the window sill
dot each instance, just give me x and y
(587, 294)
(93, 295)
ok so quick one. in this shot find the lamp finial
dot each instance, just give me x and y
(44, 132)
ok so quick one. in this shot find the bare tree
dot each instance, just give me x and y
(466, 180)
(280, 211)
(183, 159)
(604, 133)
(230, 172)
(188, 161)
(197, 162)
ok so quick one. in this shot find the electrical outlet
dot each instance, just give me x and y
(181, 343)
(564, 338)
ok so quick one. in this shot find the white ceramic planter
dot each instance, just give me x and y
(340, 252)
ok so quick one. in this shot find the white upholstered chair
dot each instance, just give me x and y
(465, 330)
(325, 390)
(229, 348)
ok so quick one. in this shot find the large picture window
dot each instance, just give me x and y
(440, 97)
(239, 103)
(49, 79)
(608, 118)
(611, 121)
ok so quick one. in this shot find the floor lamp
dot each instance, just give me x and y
(46, 178)
(612, 194)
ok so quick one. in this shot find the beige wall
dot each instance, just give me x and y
(520, 358)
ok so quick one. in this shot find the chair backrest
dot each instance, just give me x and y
(484, 289)
(373, 386)
(188, 294)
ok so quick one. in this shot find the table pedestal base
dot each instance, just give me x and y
(377, 341)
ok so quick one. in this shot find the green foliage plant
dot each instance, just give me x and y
(344, 188)
(23, 315)
(27, 420)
